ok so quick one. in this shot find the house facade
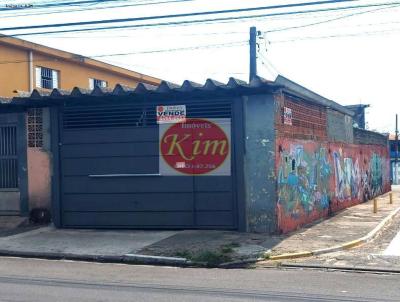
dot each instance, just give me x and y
(259, 157)
(26, 66)
(394, 160)
(359, 114)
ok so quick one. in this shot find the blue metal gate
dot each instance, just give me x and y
(109, 158)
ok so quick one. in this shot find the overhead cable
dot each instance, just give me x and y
(195, 14)
(193, 22)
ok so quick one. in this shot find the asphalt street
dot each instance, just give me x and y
(394, 247)
(43, 280)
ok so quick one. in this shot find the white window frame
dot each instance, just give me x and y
(103, 84)
(55, 78)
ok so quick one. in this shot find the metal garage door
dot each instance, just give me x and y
(110, 172)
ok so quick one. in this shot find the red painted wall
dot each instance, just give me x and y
(316, 178)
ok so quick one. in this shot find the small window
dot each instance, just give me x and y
(35, 128)
(97, 83)
(46, 78)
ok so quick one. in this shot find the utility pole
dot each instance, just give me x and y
(396, 153)
(253, 52)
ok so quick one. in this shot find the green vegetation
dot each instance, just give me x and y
(208, 257)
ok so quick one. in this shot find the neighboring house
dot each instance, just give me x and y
(25, 66)
(259, 157)
(394, 159)
(359, 114)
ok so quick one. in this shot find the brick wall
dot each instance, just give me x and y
(309, 120)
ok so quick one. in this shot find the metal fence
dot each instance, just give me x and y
(8, 157)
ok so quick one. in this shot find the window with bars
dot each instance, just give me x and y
(8, 157)
(97, 83)
(46, 78)
(35, 128)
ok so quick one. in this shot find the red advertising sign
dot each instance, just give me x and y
(196, 147)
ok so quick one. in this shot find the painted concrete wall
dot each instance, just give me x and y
(340, 127)
(39, 169)
(13, 76)
(365, 137)
(260, 181)
(317, 178)
(73, 72)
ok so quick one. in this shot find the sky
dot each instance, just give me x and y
(350, 55)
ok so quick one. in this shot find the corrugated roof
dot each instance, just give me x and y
(311, 95)
(257, 85)
(142, 89)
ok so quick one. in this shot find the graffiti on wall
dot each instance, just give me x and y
(376, 176)
(355, 181)
(347, 176)
(303, 180)
(313, 176)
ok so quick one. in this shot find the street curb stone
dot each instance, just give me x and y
(239, 263)
(128, 259)
(147, 259)
(342, 268)
(62, 256)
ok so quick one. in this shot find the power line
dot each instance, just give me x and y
(219, 45)
(229, 44)
(161, 34)
(365, 33)
(58, 4)
(240, 10)
(239, 32)
(330, 20)
(93, 8)
(266, 62)
(193, 22)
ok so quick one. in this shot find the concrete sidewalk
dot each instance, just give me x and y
(173, 247)
(81, 242)
(342, 231)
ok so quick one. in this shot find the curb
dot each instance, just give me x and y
(347, 245)
(127, 259)
(160, 260)
(239, 263)
(341, 268)
(61, 256)
(291, 255)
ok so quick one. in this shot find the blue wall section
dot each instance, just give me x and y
(260, 180)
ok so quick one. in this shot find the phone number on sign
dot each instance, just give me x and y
(194, 166)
